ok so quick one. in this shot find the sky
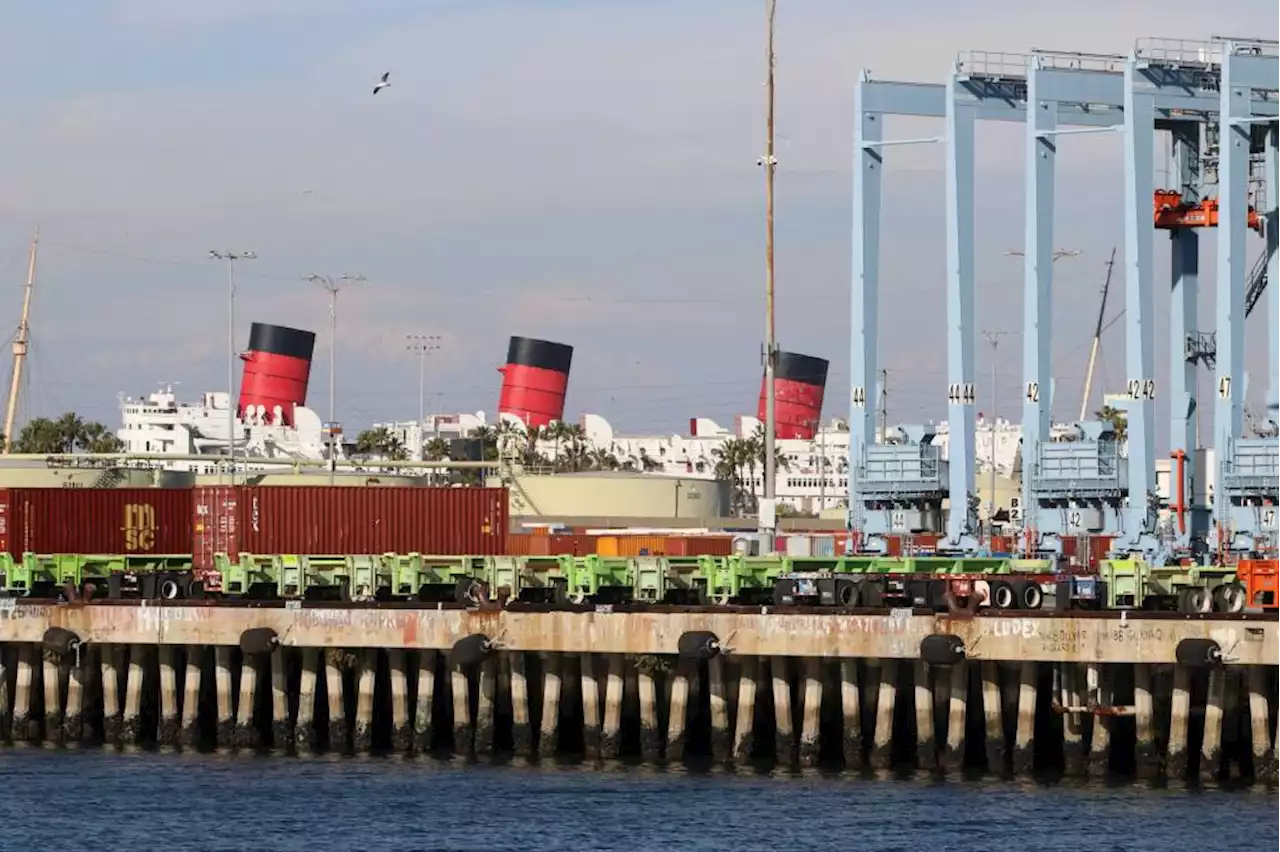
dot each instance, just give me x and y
(578, 171)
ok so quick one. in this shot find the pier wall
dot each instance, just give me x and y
(1082, 695)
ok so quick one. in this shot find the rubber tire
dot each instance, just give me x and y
(1221, 601)
(464, 590)
(942, 649)
(1030, 596)
(168, 588)
(1002, 591)
(61, 641)
(258, 640)
(846, 594)
(1198, 653)
(470, 650)
(195, 589)
(1195, 600)
(698, 645)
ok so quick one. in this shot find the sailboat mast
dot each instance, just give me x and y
(20, 341)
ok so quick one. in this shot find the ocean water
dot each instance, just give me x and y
(99, 801)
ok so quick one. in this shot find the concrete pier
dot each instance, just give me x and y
(601, 685)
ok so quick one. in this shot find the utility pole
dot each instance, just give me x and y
(424, 345)
(993, 337)
(231, 257)
(20, 342)
(770, 163)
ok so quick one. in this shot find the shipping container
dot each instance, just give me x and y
(607, 545)
(822, 545)
(572, 545)
(317, 520)
(213, 524)
(642, 545)
(699, 545)
(525, 544)
(798, 545)
(128, 521)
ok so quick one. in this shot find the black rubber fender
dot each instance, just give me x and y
(471, 650)
(1199, 653)
(698, 645)
(258, 640)
(942, 649)
(60, 640)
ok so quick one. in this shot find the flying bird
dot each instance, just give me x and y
(383, 83)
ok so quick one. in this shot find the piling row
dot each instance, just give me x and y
(1141, 719)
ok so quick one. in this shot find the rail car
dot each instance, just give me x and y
(935, 582)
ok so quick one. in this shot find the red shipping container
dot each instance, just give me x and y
(315, 519)
(96, 520)
(214, 524)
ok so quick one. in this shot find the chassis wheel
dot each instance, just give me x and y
(1002, 596)
(1229, 597)
(1195, 599)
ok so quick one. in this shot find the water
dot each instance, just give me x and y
(170, 802)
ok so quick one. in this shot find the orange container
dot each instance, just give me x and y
(1261, 579)
(607, 545)
(641, 545)
(524, 544)
(573, 545)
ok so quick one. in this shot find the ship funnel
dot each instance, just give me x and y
(799, 382)
(277, 367)
(534, 380)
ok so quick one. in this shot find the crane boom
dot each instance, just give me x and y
(1097, 337)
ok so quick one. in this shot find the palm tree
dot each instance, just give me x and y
(731, 458)
(1118, 419)
(68, 434)
(437, 449)
(601, 459)
(381, 442)
(488, 438)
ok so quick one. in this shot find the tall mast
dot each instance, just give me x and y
(770, 341)
(20, 345)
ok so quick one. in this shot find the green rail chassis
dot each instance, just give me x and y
(937, 582)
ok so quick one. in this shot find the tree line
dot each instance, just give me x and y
(66, 434)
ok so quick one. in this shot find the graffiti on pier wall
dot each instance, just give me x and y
(153, 619)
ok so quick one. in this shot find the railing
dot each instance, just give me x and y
(1180, 51)
(989, 63)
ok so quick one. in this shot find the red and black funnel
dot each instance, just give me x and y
(799, 382)
(534, 380)
(277, 367)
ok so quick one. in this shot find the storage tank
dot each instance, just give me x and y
(799, 382)
(277, 367)
(534, 380)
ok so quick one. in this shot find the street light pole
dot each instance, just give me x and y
(424, 345)
(333, 286)
(231, 257)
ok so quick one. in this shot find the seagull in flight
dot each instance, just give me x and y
(383, 83)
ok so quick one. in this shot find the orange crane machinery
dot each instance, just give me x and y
(1172, 212)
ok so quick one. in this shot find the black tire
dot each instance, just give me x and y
(942, 649)
(1195, 599)
(467, 590)
(59, 640)
(470, 650)
(1029, 594)
(1198, 653)
(1230, 597)
(168, 587)
(1002, 595)
(698, 645)
(846, 593)
(195, 589)
(258, 640)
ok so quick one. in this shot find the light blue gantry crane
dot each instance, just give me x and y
(1084, 485)
(1247, 491)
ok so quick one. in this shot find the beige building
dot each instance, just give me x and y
(615, 495)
